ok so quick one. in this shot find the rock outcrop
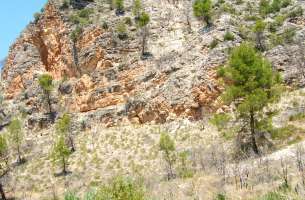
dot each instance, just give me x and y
(136, 90)
(102, 77)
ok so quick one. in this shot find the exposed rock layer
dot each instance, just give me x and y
(104, 78)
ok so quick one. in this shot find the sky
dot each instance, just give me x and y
(14, 16)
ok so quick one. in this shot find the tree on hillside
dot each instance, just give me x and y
(16, 137)
(46, 83)
(253, 86)
(63, 128)
(203, 10)
(61, 153)
(259, 29)
(3, 163)
(167, 146)
(137, 7)
(142, 22)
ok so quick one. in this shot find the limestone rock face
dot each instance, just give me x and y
(101, 77)
(42, 47)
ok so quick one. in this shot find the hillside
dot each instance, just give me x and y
(112, 78)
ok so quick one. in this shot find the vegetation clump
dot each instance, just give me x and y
(121, 30)
(214, 43)
(81, 17)
(266, 7)
(228, 36)
(203, 10)
(119, 5)
(119, 188)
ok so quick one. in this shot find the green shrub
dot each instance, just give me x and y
(273, 196)
(286, 3)
(85, 13)
(81, 17)
(220, 120)
(219, 3)
(105, 25)
(288, 35)
(128, 21)
(228, 8)
(184, 170)
(143, 19)
(37, 16)
(202, 9)
(272, 27)
(220, 197)
(244, 32)
(65, 4)
(251, 18)
(276, 39)
(229, 36)
(296, 12)
(71, 196)
(76, 33)
(275, 6)
(121, 30)
(221, 71)
(121, 189)
(119, 5)
(278, 22)
(283, 133)
(296, 117)
(137, 7)
(239, 2)
(213, 44)
(266, 7)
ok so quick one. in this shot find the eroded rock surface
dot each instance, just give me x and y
(104, 78)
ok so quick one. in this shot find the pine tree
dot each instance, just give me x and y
(203, 10)
(253, 86)
(63, 128)
(61, 153)
(142, 22)
(46, 83)
(167, 146)
(16, 137)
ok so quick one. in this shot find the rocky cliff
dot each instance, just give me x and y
(103, 75)
(109, 77)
